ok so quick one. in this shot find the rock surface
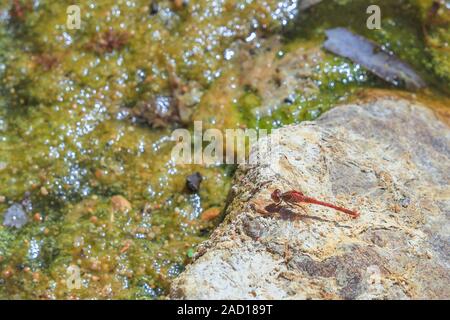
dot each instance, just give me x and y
(389, 159)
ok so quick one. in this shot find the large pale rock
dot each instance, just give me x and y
(390, 160)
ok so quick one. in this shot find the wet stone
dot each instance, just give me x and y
(193, 182)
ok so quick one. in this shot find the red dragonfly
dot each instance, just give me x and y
(296, 197)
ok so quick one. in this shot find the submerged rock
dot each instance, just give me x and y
(370, 55)
(15, 216)
(388, 158)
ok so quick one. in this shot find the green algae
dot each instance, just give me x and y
(62, 129)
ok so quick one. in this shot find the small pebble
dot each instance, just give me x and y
(44, 191)
(193, 182)
(15, 216)
(37, 217)
(210, 214)
(7, 273)
(119, 203)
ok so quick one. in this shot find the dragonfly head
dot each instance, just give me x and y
(276, 196)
